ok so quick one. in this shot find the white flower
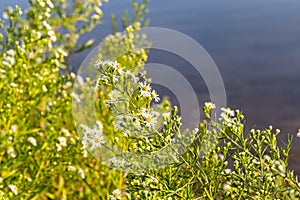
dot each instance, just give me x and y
(58, 147)
(5, 15)
(155, 96)
(97, 141)
(13, 85)
(52, 35)
(150, 119)
(11, 152)
(145, 89)
(105, 63)
(13, 188)
(11, 52)
(50, 4)
(117, 163)
(209, 105)
(126, 133)
(298, 134)
(114, 95)
(62, 141)
(44, 88)
(45, 23)
(115, 78)
(103, 78)
(93, 135)
(226, 116)
(66, 132)
(71, 168)
(227, 171)
(116, 194)
(42, 3)
(227, 112)
(81, 172)
(118, 67)
(76, 97)
(32, 140)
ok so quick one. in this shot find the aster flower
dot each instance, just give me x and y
(114, 95)
(209, 105)
(145, 89)
(298, 134)
(118, 68)
(116, 162)
(32, 140)
(149, 118)
(13, 188)
(116, 194)
(155, 96)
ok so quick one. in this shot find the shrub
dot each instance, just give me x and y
(43, 157)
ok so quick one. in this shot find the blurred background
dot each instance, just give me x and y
(255, 44)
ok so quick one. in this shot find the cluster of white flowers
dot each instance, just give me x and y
(9, 60)
(120, 95)
(118, 163)
(93, 137)
(44, 3)
(79, 171)
(209, 105)
(227, 115)
(116, 194)
(62, 143)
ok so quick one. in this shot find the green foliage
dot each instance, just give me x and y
(43, 157)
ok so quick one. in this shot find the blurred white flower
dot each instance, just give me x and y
(62, 141)
(50, 4)
(115, 78)
(5, 15)
(11, 52)
(298, 134)
(81, 172)
(209, 105)
(44, 88)
(119, 69)
(97, 141)
(116, 162)
(52, 35)
(11, 152)
(71, 168)
(32, 140)
(116, 194)
(227, 112)
(45, 23)
(155, 96)
(66, 132)
(114, 95)
(13, 188)
(105, 63)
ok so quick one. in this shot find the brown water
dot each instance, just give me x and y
(255, 44)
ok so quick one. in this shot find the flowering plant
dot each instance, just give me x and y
(43, 157)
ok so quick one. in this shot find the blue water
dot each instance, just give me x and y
(255, 44)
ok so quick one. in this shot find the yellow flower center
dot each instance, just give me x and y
(146, 88)
(114, 95)
(119, 66)
(97, 140)
(148, 119)
(116, 195)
